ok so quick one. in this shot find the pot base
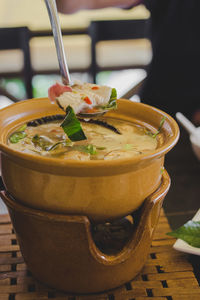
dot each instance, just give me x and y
(60, 250)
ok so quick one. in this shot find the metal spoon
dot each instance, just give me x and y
(55, 24)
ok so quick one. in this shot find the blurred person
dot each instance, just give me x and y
(172, 82)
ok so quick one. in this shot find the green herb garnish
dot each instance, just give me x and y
(72, 126)
(112, 104)
(22, 128)
(18, 135)
(128, 147)
(154, 135)
(160, 127)
(91, 149)
(113, 95)
(100, 148)
(189, 232)
(162, 170)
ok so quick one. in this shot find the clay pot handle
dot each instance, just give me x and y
(143, 234)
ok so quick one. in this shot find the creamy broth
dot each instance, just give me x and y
(101, 144)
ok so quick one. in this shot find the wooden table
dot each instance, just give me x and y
(167, 273)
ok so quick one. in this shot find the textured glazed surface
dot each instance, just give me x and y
(102, 190)
(56, 245)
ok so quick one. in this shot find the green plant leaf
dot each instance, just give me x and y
(154, 135)
(160, 127)
(100, 148)
(72, 126)
(91, 149)
(112, 104)
(189, 232)
(113, 95)
(22, 128)
(17, 136)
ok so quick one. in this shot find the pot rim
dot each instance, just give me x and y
(79, 165)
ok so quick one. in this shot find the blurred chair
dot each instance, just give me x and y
(4, 92)
(113, 30)
(18, 38)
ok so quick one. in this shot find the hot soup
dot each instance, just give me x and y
(106, 139)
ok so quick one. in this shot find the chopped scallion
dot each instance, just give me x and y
(17, 136)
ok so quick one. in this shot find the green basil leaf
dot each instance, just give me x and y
(17, 136)
(160, 127)
(100, 148)
(154, 135)
(112, 104)
(91, 149)
(72, 126)
(189, 232)
(22, 128)
(113, 95)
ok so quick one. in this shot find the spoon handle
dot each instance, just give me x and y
(186, 123)
(55, 24)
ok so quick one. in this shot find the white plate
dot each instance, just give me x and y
(180, 245)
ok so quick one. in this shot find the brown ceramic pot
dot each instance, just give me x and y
(102, 190)
(59, 249)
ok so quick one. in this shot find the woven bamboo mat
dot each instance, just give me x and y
(166, 275)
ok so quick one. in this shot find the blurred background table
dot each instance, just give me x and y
(111, 55)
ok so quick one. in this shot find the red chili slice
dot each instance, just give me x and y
(87, 100)
(95, 88)
(54, 131)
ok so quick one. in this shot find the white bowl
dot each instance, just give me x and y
(182, 246)
(195, 141)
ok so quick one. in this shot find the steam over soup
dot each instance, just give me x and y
(106, 139)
